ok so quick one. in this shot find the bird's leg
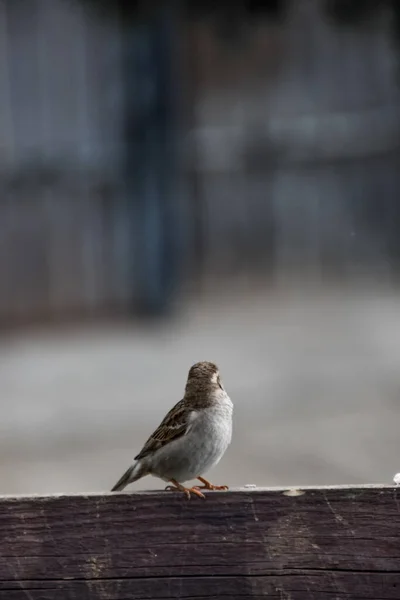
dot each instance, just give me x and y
(178, 486)
(209, 486)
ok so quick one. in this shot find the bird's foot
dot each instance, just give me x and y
(187, 491)
(209, 486)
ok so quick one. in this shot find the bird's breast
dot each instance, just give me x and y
(204, 444)
(212, 432)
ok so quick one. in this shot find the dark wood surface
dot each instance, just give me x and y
(321, 544)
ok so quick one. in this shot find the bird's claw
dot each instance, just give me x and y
(209, 486)
(186, 491)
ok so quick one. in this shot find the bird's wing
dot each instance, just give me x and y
(176, 424)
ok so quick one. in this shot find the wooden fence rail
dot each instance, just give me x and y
(309, 544)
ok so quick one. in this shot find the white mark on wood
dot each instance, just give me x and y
(338, 518)
(293, 492)
(253, 510)
(18, 580)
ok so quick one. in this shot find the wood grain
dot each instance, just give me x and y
(333, 543)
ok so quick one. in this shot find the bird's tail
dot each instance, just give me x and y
(135, 472)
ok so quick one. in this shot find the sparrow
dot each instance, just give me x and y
(191, 439)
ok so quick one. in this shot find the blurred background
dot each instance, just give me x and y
(183, 183)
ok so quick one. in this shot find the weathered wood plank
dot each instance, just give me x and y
(321, 543)
(291, 586)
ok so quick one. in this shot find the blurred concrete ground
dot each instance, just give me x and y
(315, 379)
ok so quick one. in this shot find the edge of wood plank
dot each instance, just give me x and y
(292, 490)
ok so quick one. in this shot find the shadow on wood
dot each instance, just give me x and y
(315, 544)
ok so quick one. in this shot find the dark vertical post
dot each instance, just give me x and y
(151, 158)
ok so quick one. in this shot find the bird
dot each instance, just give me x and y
(191, 439)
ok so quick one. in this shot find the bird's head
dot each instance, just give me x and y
(203, 378)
